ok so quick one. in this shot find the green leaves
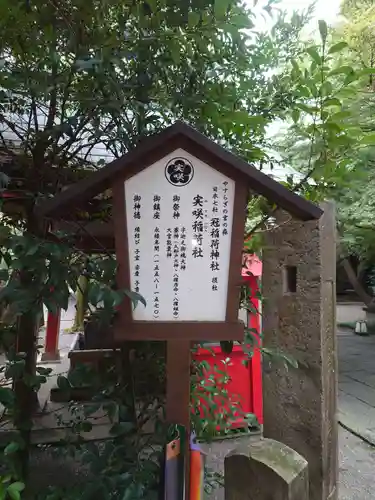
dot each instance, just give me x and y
(323, 30)
(226, 346)
(42, 370)
(63, 383)
(311, 110)
(6, 397)
(12, 448)
(85, 426)
(368, 140)
(337, 47)
(135, 297)
(220, 8)
(341, 70)
(15, 369)
(174, 50)
(314, 54)
(279, 356)
(14, 490)
(193, 19)
(10, 491)
(326, 88)
(333, 101)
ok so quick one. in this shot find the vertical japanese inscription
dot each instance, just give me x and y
(176, 277)
(176, 258)
(183, 249)
(137, 206)
(156, 259)
(169, 243)
(197, 226)
(156, 206)
(176, 206)
(215, 240)
(225, 208)
(137, 241)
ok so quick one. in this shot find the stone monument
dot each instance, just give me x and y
(266, 469)
(299, 306)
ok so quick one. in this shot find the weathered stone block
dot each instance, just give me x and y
(300, 405)
(266, 470)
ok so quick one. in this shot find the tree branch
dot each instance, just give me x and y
(14, 129)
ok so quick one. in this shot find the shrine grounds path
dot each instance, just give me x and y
(356, 356)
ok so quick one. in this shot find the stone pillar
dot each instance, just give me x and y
(266, 469)
(298, 285)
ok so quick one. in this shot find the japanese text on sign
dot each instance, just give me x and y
(179, 222)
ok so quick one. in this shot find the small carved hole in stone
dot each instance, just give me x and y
(290, 279)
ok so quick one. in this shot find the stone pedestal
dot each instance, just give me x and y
(264, 470)
(50, 357)
(299, 318)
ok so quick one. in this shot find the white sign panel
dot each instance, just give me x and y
(179, 218)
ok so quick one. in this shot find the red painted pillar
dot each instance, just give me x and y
(51, 347)
(256, 361)
(252, 273)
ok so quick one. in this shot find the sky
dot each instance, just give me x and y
(324, 9)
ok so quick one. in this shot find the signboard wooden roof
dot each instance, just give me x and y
(179, 210)
(155, 147)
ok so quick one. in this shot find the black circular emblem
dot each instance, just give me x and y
(179, 171)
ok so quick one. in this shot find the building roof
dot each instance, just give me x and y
(174, 137)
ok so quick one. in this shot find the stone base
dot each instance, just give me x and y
(50, 357)
(266, 469)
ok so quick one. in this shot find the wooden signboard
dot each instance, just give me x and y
(180, 221)
(179, 225)
(179, 209)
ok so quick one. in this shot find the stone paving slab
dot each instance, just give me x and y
(361, 391)
(363, 377)
(357, 384)
(356, 416)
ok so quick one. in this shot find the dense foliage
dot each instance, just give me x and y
(345, 127)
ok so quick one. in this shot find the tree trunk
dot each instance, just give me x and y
(81, 304)
(25, 396)
(357, 286)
